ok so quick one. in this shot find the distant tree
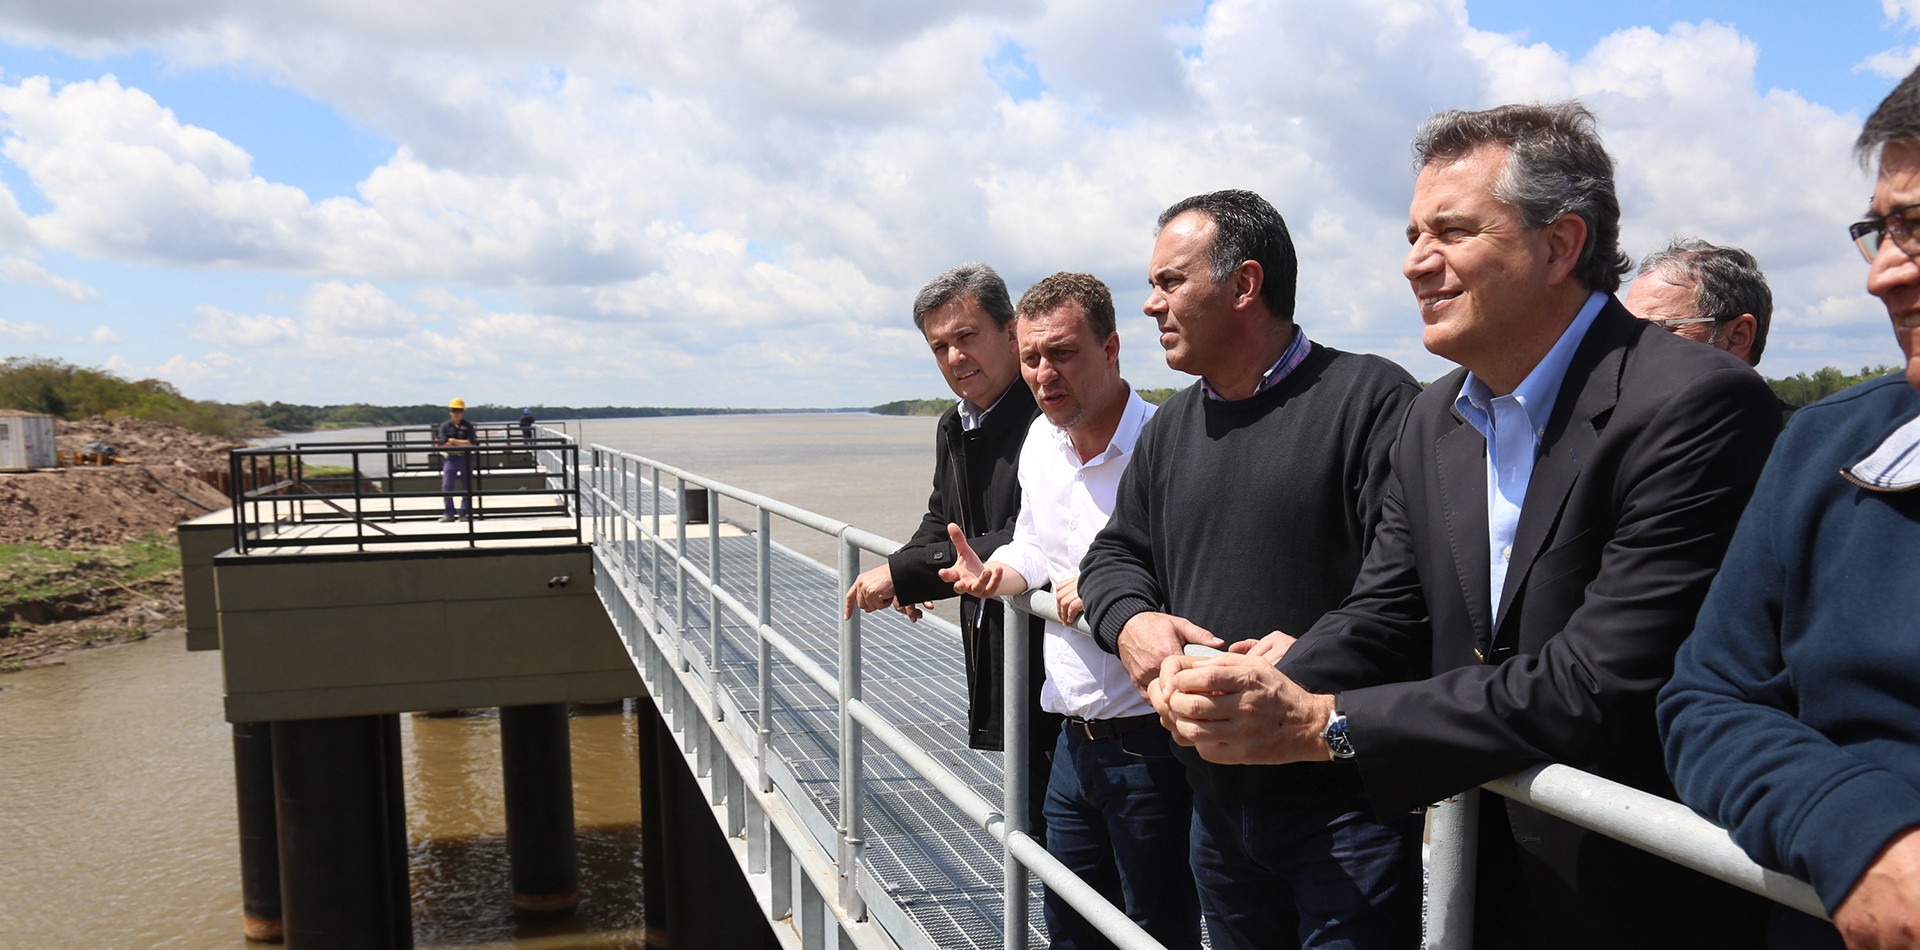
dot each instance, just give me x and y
(913, 407)
(1158, 396)
(1801, 389)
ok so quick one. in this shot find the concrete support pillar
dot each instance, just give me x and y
(707, 900)
(653, 825)
(342, 833)
(538, 769)
(259, 839)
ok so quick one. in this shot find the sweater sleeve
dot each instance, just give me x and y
(1794, 799)
(1117, 576)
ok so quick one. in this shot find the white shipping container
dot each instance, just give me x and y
(26, 441)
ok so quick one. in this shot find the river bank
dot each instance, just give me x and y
(87, 553)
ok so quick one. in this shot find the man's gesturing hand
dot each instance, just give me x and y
(1238, 710)
(1149, 638)
(871, 591)
(969, 576)
(1882, 912)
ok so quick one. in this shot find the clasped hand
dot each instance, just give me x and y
(1237, 709)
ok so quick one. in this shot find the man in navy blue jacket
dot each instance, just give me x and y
(1793, 716)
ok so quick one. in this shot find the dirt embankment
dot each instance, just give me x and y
(89, 509)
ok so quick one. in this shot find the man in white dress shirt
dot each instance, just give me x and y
(1118, 806)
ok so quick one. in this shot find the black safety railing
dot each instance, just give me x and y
(282, 500)
(411, 449)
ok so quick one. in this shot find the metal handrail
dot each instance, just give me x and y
(1653, 824)
(619, 528)
(282, 494)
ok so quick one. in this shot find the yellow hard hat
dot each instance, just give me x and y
(457, 403)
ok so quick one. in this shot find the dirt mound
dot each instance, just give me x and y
(88, 507)
(149, 443)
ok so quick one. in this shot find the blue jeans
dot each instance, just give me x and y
(454, 478)
(1118, 812)
(1324, 877)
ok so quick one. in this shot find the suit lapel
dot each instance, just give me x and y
(1591, 388)
(1461, 457)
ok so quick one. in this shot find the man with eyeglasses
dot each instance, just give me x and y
(1793, 715)
(1716, 295)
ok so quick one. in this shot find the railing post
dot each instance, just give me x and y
(653, 551)
(680, 574)
(1013, 733)
(763, 683)
(851, 767)
(714, 625)
(1453, 837)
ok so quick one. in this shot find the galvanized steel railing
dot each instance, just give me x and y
(622, 532)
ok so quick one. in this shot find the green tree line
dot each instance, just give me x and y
(70, 392)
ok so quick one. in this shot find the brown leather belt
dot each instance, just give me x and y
(1109, 728)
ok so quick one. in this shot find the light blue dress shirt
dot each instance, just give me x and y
(1513, 425)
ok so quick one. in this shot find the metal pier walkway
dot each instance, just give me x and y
(934, 874)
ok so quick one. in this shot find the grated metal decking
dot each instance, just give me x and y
(940, 871)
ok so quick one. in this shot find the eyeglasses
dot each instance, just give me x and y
(1676, 323)
(1898, 224)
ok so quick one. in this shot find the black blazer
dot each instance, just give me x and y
(976, 485)
(1647, 461)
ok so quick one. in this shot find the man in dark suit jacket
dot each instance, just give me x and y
(1557, 510)
(967, 317)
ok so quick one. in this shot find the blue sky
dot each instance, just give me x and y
(656, 204)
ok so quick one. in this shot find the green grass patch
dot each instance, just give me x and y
(37, 572)
(325, 471)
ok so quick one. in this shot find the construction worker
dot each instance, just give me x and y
(456, 467)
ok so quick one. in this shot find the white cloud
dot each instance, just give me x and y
(101, 336)
(18, 270)
(734, 202)
(21, 332)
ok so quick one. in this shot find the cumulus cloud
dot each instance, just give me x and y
(19, 270)
(101, 336)
(22, 332)
(734, 203)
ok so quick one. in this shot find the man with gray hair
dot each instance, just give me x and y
(1557, 509)
(967, 318)
(1705, 292)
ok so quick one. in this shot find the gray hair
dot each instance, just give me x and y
(974, 280)
(1246, 228)
(1555, 166)
(1896, 119)
(1726, 282)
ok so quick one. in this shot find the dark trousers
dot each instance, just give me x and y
(1118, 813)
(1321, 877)
(454, 478)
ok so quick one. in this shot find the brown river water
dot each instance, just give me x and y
(117, 824)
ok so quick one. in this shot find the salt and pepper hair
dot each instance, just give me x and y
(1555, 166)
(1726, 283)
(974, 280)
(1246, 228)
(1095, 301)
(1896, 119)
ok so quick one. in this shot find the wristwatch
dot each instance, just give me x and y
(1339, 744)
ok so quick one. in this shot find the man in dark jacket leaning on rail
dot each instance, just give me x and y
(967, 317)
(1248, 506)
(1557, 509)
(1793, 717)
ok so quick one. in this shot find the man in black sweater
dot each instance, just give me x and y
(1252, 497)
(967, 317)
